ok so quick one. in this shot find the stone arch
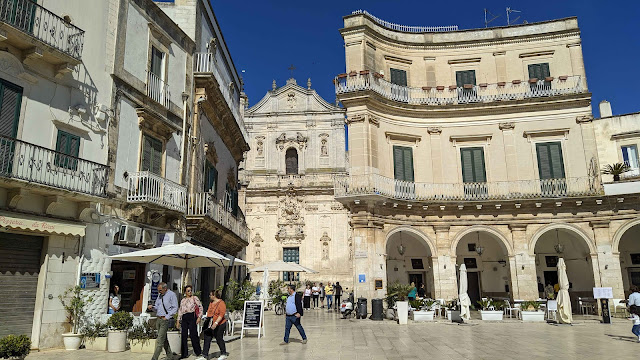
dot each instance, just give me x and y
(576, 230)
(423, 236)
(483, 228)
(620, 232)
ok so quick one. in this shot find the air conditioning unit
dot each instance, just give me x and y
(149, 237)
(130, 235)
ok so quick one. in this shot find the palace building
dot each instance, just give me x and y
(477, 147)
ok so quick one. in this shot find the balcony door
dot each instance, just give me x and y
(400, 92)
(10, 103)
(630, 157)
(151, 155)
(403, 172)
(466, 93)
(540, 72)
(291, 255)
(474, 175)
(551, 169)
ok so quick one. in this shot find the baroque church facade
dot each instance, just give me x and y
(297, 148)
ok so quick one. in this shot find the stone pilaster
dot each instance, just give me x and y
(606, 264)
(369, 260)
(444, 266)
(510, 150)
(522, 265)
(436, 153)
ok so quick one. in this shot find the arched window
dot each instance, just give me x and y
(291, 161)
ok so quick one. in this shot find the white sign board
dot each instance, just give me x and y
(602, 293)
(361, 254)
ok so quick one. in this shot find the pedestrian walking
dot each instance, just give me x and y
(114, 300)
(258, 289)
(165, 307)
(294, 312)
(328, 291)
(322, 294)
(633, 316)
(213, 326)
(307, 297)
(315, 291)
(337, 292)
(189, 316)
(634, 298)
(412, 292)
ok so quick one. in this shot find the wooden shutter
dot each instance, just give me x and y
(403, 163)
(398, 77)
(146, 153)
(408, 163)
(465, 77)
(550, 162)
(67, 144)
(211, 179)
(10, 101)
(539, 71)
(473, 166)
(156, 62)
(152, 155)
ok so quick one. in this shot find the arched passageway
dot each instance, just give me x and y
(629, 248)
(409, 259)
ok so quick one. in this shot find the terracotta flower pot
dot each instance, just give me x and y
(548, 79)
(533, 81)
(353, 73)
(426, 88)
(468, 86)
(502, 83)
(563, 77)
(364, 72)
(439, 88)
(343, 75)
(483, 85)
(515, 82)
(452, 87)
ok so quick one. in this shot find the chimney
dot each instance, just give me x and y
(605, 109)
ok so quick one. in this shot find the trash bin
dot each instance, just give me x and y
(361, 312)
(376, 310)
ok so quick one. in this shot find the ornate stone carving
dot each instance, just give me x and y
(291, 100)
(374, 120)
(291, 221)
(337, 206)
(355, 119)
(324, 139)
(507, 126)
(300, 141)
(434, 130)
(584, 119)
(210, 153)
(260, 146)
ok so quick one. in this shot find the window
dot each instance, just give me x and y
(10, 101)
(398, 77)
(551, 261)
(210, 179)
(630, 156)
(291, 255)
(291, 161)
(403, 163)
(539, 71)
(550, 163)
(151, 155)
(471, 263)
(231, 200)
(157, 63)
(473, 170)
(68, 148)
(467, 77)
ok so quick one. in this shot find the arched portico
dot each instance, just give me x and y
(626, 243)
(410, 258)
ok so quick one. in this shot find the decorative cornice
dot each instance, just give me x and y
(464, 61)
(355, 119)
(584, 119)
(600, 223)
(402, 137)
(397, 59)
(507, 126)
(537, 53)
(546, 132)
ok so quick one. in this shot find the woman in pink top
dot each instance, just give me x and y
(189, 316)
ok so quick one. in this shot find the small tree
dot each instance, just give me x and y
(74, 303)
(120, 321)
(616, 170)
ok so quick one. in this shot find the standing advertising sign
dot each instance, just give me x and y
(253, 317)
(604, 294)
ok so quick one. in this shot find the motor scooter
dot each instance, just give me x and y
(346, 307)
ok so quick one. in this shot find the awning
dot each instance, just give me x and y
(32, 223)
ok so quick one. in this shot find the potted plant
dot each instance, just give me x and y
(489, 311)
(73, 303)
(15, 347)
(143, 338)
(402, 305)
(616, 170)
(95, 335)
(173, 336)
(530, 311)
(424, 312)
(118, 325)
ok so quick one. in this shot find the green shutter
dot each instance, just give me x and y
(67, 144)
(398, 77)
(473, 165)
(539, 71)
(403, 163)
(151, 155)
(408, 164)
(146, 153)
(10, 101)
(156, 167)
(465, 77)
(550, 162)
(211, 178)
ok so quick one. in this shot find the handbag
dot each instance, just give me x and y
(197, 308)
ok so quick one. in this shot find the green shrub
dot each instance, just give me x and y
(14, 345)
(142, 333)
(93, 330)
(121, 320)
(428, 303)
(416, 304)
(527, 305)
(499, 304)
(485, 304)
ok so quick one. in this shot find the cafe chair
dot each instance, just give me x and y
(509, 310)
(618, 304)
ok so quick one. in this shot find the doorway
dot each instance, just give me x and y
(473, 290)
(550, 278)
(130, 277)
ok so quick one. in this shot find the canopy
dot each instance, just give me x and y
(184, 255)
(281, 266)
(465, 301)
(38, 224)
(564, 302)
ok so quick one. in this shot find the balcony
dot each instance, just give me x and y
(20, 160)
(57, 41)
(209, 222)
(158, 90)
(377, 185)
(145, 187)
(469, 94)
(205, 65)
(285, 181)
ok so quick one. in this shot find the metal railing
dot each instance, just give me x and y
(147, 187)
(158, 90)
(469, 94)
(34, 20)
(36, 164)
(204, 204)
(373, 184)
(206, 63)
(633, 172)
(283, 181)
(405, 28)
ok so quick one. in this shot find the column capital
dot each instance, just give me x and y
(601, 223)
(506, 126)
(434, 130)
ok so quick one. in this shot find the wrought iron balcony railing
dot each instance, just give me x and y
(36, 164)
(204, 204)
(147, 187)
(205, 63)
(40, 23)
(158, 90)
(373, 184)
(469, 94)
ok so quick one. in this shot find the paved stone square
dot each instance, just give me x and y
(333, 338)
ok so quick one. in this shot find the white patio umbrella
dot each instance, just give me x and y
(264, 291)
(564, 302)
(465, 301)
(184, 255)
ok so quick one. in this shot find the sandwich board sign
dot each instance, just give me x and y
(253, 317)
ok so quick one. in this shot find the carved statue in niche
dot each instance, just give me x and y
(325, 251)
(257, 255)
(350, 245)
(259, 147)
(323, 148)
(291, 100)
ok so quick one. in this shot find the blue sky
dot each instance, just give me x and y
(265, 37)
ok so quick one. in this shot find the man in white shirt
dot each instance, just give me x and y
(634, 298)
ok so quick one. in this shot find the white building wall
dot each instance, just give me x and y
(127, 157)
(137, 44)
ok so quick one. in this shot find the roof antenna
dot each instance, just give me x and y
(493, 17)
(509, 11)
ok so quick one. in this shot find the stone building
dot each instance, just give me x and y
(475, 147)
(297, 144)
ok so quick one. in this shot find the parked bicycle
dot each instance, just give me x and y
(280, 305)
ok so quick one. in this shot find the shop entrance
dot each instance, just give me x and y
(130, 278)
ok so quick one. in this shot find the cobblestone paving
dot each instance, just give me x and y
(333, 338)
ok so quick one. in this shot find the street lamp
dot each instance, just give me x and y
(479, 249)
(559, 247)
